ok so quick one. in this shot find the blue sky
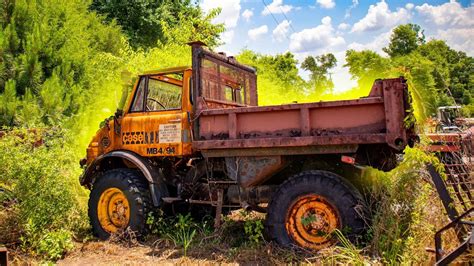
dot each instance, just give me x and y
(313, 27)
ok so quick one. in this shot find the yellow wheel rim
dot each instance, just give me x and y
(113, 210)
(310, 221)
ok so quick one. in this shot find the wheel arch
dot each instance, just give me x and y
(125, 159)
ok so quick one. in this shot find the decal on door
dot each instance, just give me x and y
(170, 133)
(139, 137)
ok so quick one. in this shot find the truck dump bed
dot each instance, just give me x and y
(227, 121)
(312, 128)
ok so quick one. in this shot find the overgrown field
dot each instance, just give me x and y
(65, 66)
(43, 213)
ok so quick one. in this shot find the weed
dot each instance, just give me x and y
(185, 230)
(254, 231)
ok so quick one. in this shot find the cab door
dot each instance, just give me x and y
(164, 124)
(158, 121)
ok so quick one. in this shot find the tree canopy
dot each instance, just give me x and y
(144, 21)
(319, 67)
(438, 75)
(404, 40)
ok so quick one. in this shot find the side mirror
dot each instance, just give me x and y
(118, 113)
(117, 126)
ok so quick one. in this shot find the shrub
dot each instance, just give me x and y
(41, 180)
(399, 200)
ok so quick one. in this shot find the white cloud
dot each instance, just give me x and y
(319, 38)
(326, 3)
(343, 26)
(355, 3)
(280, 32)
(227, 36)
(379, 16)
(458, 39)
(409, 6)
(450, 22)
(230, 11)
(276, 7)
(255, 33)
(448, 14)
(380, 41)
(229, 15)
(247, 14)
(326, 20)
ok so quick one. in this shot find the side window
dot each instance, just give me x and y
(137, 104)
(163, 96)
(228, 94)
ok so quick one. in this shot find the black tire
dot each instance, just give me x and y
(135, 188)
(340, 194)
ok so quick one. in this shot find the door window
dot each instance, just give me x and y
(163, 95)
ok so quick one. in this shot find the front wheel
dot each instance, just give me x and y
(309, 207)
(119, 199)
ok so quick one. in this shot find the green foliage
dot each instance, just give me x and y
(47, 59)
(404, 40)
(437, 75)
(319, 67)
(398, 199)
(345, 253)
(184, 232)
(42, 180)
(53, 244)
(254, 231)
(145, 22)
(366, 66)
(278, 80)
(453, 74)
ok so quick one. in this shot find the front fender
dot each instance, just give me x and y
(152, 174)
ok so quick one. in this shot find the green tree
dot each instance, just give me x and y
(144, 21)
(366, 66)
(454, 71)
(284, 66)
(319, 67)
(278, 78)
(49, 48)
(405, 39)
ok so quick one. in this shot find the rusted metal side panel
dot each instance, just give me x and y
(348, 119)
(317, 119)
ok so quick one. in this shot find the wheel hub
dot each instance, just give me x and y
(113, 210)
(311, 220)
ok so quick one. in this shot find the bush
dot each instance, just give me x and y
(399, 203)
(42, 181)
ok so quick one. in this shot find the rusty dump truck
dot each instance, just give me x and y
(194, 139)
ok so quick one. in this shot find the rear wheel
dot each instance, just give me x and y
(308, 207)
(119, 199)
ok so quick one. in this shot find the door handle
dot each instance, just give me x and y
(174, 120)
